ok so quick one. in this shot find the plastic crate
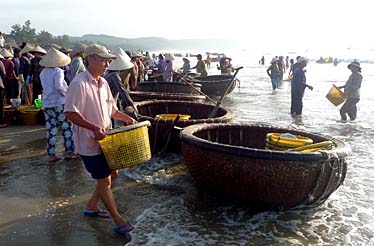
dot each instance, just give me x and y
(127, 146)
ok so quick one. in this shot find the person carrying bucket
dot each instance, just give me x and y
(351, 92)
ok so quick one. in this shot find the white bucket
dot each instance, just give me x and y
(16, 102)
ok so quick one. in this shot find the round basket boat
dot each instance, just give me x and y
(169, 87)
(215, 85)
(162, 134)
(139, 96)
(230, 160)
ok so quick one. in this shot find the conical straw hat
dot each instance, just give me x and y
(169, 57)
(38, 49)
(56, 46)
(27, 48)
(119, 51)
(1, 57)
(54, 58)
(6, 53)
(79, 48)
(121, 63)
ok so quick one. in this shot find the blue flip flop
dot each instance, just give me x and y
(100, 213)
(121, 229)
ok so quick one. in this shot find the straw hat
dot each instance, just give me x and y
(119, 51)
(185, 60)
(137, 54)
(99, 50)
(38, 49)
(354, 64)
(78, 48)
(169, 57)
(274, 60)
(65, 50)
(302, 59)
(54, 58)
(1, 57)
(27, 48)
(6, 53)
(56, 46)
(121, 63)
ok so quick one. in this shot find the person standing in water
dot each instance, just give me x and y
(352, 92)
(298, 85)
(273, 72)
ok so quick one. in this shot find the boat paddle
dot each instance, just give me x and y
(184, 79)
(215, 109)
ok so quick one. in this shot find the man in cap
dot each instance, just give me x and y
(298, 85)
(90, 106)
(352, 92)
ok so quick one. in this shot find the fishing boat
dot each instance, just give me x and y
(139, 96)
(215, 85)
(230, 160)
(169, 87)
(163, 136)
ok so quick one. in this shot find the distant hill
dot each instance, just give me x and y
(156, 43)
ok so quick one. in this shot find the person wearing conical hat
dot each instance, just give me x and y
(120, 66)
(186, 65)
(168, 72)
(35, 83)
(273, 72)
(91, 106)
(298, 85)
(25, 74)
(54, 96)
(351, 92)
(76, 66)
(10, 74)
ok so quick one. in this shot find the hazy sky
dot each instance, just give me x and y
(288, 23)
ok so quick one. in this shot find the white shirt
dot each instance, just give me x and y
(54, 87)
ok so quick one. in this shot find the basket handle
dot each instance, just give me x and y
(129, 127)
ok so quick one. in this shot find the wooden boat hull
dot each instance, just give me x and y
(139, 96)
(215, 85)
(169, 87)
(163, 136)
(230, 160)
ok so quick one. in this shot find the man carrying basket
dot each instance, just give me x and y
(90, 106)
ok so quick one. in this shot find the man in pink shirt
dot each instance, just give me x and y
(90, 106)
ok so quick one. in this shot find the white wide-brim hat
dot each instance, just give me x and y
(6, 53)
(121, 63)
(55, 58)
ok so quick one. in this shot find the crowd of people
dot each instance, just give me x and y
(298, 84)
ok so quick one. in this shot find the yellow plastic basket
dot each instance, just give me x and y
(335, 96)
(275, 141)
(173, 116)
(127, 146)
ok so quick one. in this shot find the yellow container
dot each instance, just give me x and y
(28, 116)
(173, 116)
(275, 141)
(335, 96)
(127, 146)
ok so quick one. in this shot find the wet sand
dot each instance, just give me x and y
(42, 203)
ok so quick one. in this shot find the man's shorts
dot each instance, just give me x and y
(97, 166)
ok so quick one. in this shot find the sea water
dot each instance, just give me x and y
(181, 216)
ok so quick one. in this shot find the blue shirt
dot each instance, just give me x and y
(298, 82)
